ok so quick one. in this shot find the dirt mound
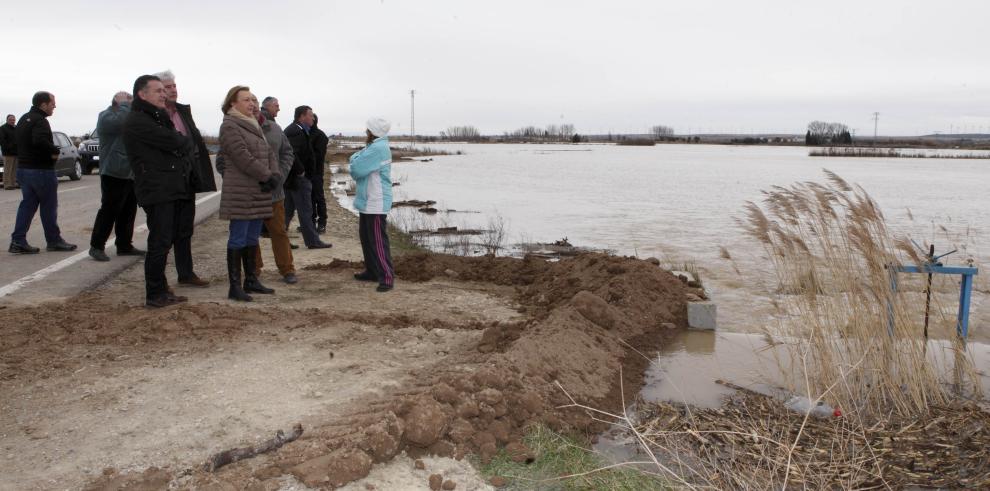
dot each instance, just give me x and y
(587, 317)
(52, 329)
(424, 266)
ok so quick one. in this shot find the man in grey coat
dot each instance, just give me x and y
(118, 205)
(276, 224)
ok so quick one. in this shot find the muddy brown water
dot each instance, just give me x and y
(680, 202)
(688, 366)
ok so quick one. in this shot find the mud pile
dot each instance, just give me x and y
(588, 319)
(498, 270)
(39, 339)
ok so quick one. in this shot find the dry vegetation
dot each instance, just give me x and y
(890, 153)
(830, 247)
(902, 420)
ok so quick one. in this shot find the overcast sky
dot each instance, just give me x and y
(620, 66)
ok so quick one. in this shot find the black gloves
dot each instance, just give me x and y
(269, 185)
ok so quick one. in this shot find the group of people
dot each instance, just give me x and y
(152, 155)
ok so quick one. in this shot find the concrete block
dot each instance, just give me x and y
(702, 315)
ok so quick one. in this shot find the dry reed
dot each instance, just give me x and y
(890, 153)
(832, 252)
(900, 424)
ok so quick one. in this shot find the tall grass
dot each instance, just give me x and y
(832, 253)
(890, 153)
(900, 424)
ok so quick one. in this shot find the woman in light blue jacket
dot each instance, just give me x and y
(371, 169)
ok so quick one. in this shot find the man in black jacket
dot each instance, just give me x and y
(202, 179)
(320, 142)
(162, 160)
(8, 144)
(299, 184)
(37, 155)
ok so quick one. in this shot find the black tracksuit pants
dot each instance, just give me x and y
(375, 247)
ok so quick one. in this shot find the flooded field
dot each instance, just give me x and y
(683, 205)
(680, 203)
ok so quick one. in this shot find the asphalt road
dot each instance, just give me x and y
(59, 275)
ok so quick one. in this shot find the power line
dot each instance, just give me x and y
(876, 124)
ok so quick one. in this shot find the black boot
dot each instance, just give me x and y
(251, 282)
(234, 276)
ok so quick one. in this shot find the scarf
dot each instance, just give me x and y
(237, 114)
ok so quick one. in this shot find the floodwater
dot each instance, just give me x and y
(689, 368)
(680, 203)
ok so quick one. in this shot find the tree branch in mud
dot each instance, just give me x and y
(221, 459)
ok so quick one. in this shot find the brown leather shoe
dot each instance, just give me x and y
(161, 302)
(195, 281)
(176, 298)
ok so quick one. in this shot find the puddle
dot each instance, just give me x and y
(687, 369)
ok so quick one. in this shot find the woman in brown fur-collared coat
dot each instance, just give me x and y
(251, 172)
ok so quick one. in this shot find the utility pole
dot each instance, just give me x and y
(412, 117)
(876, 123)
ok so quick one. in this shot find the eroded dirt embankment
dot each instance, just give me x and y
(584, 323)
(584, 318)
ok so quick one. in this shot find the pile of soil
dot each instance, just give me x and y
(589, 321)
(506, 271)
(38, 339)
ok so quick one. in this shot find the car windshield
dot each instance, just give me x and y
(94, 135)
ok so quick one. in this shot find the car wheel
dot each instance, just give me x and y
(77, 172)
(88, 169)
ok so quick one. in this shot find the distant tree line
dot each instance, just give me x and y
(822, 133)
(661, 132)
(551, 133)
(461, 133)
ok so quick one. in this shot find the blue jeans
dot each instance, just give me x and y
(38, 188)
(244, 233)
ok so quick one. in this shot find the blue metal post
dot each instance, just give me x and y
(965, 291)
(965, 297)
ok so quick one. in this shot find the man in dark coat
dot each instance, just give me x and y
(36, 157)
(320, 142)
(162, 160)
(8, 144)
(299, 184)
(202, 179)
(118, 203)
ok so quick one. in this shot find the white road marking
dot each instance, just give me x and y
(75, 189)
(69, 261)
